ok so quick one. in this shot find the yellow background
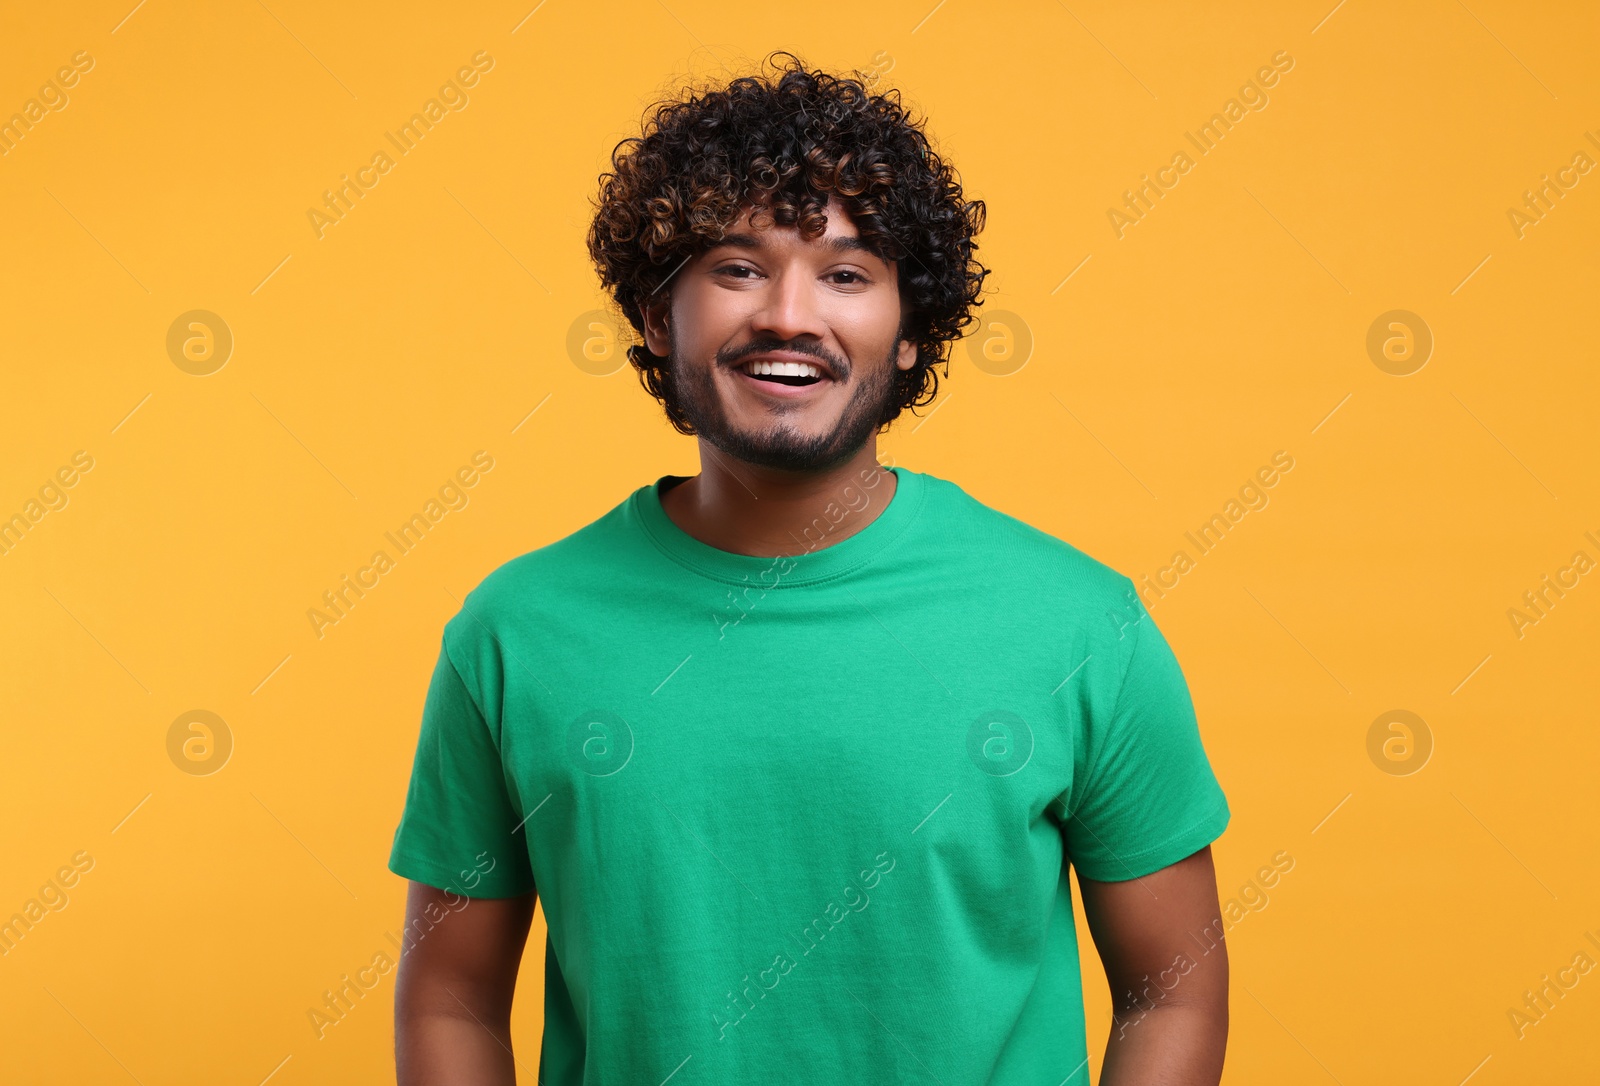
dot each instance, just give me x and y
(1167, 365)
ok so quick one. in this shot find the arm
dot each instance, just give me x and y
(1169, 995)
(452, 1004)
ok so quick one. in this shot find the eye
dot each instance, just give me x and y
(729, 269)
(855, 277)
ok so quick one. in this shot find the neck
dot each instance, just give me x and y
(750, 509)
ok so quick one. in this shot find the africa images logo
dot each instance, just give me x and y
(856, 899)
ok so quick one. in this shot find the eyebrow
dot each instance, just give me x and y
(838, 243)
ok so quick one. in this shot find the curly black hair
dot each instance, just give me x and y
(785, 145)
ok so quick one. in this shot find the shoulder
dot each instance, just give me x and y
(534, 584)
(1016, 551)
(1067, 605)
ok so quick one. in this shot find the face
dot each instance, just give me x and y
(823, 314)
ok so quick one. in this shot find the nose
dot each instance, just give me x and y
(789, 309)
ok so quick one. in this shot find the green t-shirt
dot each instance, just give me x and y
(807, 819)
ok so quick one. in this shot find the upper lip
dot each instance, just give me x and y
(790, 356)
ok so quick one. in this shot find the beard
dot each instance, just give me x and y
(692, 390)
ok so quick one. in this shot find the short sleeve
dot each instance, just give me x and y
(459, 830)
(1149, 797)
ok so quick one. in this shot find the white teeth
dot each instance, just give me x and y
(785, 369)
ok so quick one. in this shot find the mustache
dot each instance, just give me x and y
(733, 356)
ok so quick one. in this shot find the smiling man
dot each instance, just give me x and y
(797, 751)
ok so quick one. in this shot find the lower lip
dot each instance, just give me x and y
(782, 391)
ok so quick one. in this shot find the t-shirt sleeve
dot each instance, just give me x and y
(460, 830)
(1149, 797)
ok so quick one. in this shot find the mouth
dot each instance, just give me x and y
(785, 375)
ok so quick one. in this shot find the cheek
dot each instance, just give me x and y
(706, 321)
(869, 332)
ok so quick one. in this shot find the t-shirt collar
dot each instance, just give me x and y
(814, 558)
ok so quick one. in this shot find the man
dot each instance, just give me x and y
(796, 751)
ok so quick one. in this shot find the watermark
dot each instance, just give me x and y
(434, 914)
(1399, 742)
(595, 343)
(1138, 201)
(1182, 965)
(337, 1002)
(52, 498)
(199, 342)
(52, 898)
(1252, 497)
(1002, 344)
(1130, 613)
(856, 899)
(52, 98)
(352, 588)
(856, 498)
(1156, 989)
(599, 742)
(1253, 897)
(1538, 1002)
(341, 200)
(999, 742)
(1539, 201)
(1537, 602)
(199, 742)
(1399, 342)
(882, 64)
